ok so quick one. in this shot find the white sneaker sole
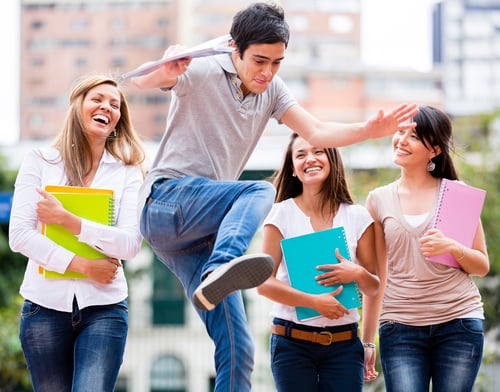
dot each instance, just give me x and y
(241, 273)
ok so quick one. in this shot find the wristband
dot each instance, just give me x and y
(371, 345)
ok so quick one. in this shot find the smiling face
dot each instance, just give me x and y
(310, 164)
(409, 151)
(101, 111)
(258, 66)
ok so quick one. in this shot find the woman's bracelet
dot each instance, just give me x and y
(462, 255)
(371, 345)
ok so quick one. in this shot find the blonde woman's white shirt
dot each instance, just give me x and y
(43, 167)
(291, 221)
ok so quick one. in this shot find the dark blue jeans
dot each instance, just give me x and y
(447, 354)
(194, 225)
(77, 351)
(301, 366)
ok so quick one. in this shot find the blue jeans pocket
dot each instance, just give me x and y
(387, 328)
(163, 221)
(29, 308)
(472, 325)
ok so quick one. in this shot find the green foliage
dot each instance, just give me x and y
(362, 181)
(487, 179)
(12, 266)
(13, 373)
(484, 174)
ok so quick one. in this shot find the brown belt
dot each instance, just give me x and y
(324, 337)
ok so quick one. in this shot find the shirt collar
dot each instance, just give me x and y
(107, 157)
(226, 62)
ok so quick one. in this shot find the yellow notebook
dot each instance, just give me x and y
(95, 204)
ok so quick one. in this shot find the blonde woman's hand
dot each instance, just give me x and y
(102, 270)
(49, 210)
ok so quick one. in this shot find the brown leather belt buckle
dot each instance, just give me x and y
(330, 338)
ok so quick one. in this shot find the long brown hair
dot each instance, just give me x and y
(334, 189)
(72, 141)
(434, 128)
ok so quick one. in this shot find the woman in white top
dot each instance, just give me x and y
(323, 353)
(73, 331)
(431, 316)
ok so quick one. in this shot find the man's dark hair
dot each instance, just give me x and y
(259, 23)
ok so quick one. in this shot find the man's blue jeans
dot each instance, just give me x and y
(195, 224)
(449, 354)
(77, 351)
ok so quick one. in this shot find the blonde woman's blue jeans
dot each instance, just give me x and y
(76, 351)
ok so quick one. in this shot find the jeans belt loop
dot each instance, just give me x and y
(324, 338)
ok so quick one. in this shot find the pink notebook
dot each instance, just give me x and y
(457, 215)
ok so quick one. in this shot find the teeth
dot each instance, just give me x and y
(101, 119)
(312, 169)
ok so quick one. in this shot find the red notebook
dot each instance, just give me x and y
(457, 215)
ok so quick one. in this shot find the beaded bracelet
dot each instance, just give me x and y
(371, 345)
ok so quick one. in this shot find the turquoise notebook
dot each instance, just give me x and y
(303, 253)
(94, 204)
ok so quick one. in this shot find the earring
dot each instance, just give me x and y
(114, 132)
(430, 165)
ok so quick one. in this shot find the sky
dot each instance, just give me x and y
(404, 42)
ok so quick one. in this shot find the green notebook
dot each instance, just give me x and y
(95, 204)
(303, 253)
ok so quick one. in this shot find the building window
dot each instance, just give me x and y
(168, 296)
(163, 22)
(119, 23)
(38, 62)
(80, 24)
(118, 61)
(81, 62)
(168, 375)
(37, 24)
(341, 24)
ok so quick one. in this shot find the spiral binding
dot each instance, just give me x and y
(111, 211)
(360, 296)
(441, 197)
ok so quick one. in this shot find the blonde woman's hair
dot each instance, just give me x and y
(72, 141)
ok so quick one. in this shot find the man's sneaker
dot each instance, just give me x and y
(241, 273)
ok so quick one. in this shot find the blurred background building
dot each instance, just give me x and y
(467, 50)
(61, 40)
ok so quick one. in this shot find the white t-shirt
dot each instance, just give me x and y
(291, 221)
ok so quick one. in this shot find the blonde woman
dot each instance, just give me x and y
(73, 331)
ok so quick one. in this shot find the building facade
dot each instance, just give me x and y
(467, 43)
